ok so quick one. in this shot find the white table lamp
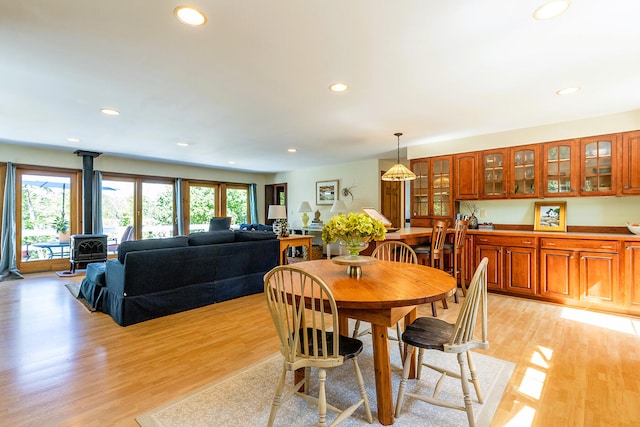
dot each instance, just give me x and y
(304, 208)
(278, 213)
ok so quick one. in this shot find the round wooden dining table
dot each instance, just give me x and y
(385, 293)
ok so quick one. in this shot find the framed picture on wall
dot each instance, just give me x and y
(550, 216)
(326, 192)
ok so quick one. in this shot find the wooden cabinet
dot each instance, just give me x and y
(524, 173)
(599, 165)
(586, 270)
(513, 265)
(493, 174)
(632, 275)
(631, 163)
(431, 191)
(560, 172)
(465, 170)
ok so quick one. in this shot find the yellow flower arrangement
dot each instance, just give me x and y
(352, 228)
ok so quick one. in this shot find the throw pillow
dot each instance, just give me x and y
(220, 223)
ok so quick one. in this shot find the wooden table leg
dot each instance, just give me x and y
(382, 367)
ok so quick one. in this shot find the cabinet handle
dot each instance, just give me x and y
(606, 247)
(482, 240)
(571, 257)
(626, 187)
(581, 257)
(550, 244)
(526, 242)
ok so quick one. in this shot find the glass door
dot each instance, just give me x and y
(46, 212)
(158, 211)
(237, 204)
(202, 206)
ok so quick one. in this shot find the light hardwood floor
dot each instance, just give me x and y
(61, 365)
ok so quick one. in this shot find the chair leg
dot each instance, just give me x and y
(400, 343)
(322, 398)
(474, 377)
(464, 379)
(363, 391)
(277, 399)
(406, 367)
(356, 329)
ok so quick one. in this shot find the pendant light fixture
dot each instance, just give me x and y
(398, 172)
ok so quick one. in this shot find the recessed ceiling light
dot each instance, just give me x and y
(182, 144)
(291, 150)
(190, 16)
(73, 140)
(231, 162)
(551, 9)
(338, 87)
(110, 111)
(568, 90)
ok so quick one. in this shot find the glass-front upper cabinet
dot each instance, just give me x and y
(560, 172)
(420, 188)
(598, 162)
(493, 175)
(441, 187)
(524, 161)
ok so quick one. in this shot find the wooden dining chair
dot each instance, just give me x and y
(393, 251)
(427, 333)
(302, 324)
(455, 250)
(428, 255)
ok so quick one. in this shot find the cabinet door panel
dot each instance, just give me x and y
(557, 273)
(598, 164)
(466, 176)
(494, 268)
(632, 275)
(520, 270)
(598, 276)
(630, 162)
(561, 171)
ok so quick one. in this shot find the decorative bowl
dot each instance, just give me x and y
(634, 227)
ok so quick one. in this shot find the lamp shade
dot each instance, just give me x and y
(305, 207)
(339, 206)
(277, 212)
(398, 172)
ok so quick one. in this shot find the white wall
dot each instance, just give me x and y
(583, 211)
(364, 176)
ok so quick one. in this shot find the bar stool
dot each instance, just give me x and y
(456, 251)
(428, 255)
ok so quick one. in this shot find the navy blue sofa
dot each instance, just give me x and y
(157, 277)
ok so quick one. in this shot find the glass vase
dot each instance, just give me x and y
(354, 246)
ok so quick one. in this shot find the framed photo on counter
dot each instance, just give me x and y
(550, 216)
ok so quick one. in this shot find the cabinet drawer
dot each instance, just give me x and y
(578, 245)
(521, 242)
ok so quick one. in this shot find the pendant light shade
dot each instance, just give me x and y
(398, 172)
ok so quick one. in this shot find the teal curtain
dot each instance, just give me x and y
(253, 204)
(179, 216)
(8, 267)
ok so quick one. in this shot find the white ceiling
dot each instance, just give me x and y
(254, 81)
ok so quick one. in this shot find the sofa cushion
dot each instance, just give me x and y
(220, 223)
(247, 236)
(211, 237)
(144, 245)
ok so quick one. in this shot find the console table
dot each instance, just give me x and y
(295, 240)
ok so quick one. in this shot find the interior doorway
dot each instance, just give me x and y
(274, 194)
(391, 202)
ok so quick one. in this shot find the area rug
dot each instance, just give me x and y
(74, 289)
(244, 398)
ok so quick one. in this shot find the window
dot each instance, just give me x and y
(157, 210)
(117, 207)
(202, 206)
(238, 204)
